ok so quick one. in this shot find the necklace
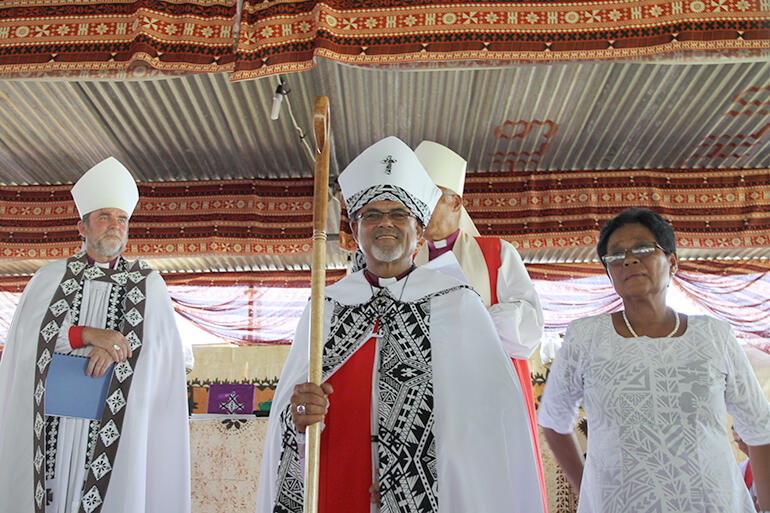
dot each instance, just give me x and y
(628, 325)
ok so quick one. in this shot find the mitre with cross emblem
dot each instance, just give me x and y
(389, 170)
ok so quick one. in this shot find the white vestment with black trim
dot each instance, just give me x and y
(483, 446)
(152, 467)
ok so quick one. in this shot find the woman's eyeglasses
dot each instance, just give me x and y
(641, 251)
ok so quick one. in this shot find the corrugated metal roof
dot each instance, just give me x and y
(594, 115)
(562, 116)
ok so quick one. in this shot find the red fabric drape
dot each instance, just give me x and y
(277, 36)
(137, 38)
(708, 208)
(120, 39)
(221, 217)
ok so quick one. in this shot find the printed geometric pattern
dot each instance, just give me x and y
(279, 37)
(272, 218)
(709, 209)
(288, 36)
(92, 500)
(116, 401)
(93, 435)
(52, 437)
(122, 370)
(105, 447)
(348, 327)
(406, 448)
(59, 307)
(291, 480)
(131, 326)
(96, 35)
(135, 296)
(133, 340)
(656, 410)
(392, 193)
(101, 466)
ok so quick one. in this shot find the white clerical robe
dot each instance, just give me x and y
(517, 315)
(152, 467)
(484, 449)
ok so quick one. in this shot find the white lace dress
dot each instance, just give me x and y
(656, 408)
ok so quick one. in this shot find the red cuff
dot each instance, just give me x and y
(76, 337)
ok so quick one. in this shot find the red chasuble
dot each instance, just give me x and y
(490, 248)
(346, 447)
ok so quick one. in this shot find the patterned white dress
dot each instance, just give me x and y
(656, 410)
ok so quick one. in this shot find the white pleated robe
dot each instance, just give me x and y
(152, 467)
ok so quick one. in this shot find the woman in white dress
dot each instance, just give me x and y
(656, 386)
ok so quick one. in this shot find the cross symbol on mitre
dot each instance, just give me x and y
(389, 161)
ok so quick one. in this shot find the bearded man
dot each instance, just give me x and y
(117, 315)
(421, 408)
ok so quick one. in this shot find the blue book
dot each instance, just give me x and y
(69, 392)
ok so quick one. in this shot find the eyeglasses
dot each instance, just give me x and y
(641, 251)
(375, 216)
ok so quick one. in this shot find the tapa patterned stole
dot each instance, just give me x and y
(131, 281)
(406, 442)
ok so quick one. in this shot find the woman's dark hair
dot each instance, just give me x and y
(660, 228)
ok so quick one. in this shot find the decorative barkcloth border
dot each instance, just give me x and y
(277, 37)
(172, 219)
(136, 39)
(709, 209)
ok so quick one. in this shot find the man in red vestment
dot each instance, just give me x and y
(409, 426)
(490, 265)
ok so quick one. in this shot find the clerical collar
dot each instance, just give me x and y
(376, 281)
(436, 248)
(109, 265)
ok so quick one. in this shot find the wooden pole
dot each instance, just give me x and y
(317, 285)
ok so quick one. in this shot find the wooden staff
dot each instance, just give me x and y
(317, 285)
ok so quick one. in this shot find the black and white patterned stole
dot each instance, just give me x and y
(131, 279)
(406, 441)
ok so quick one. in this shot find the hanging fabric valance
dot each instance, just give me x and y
(234, 217)
(115, 39)
(264, 307)
(137, 38)
(709, 209)
(285, 36)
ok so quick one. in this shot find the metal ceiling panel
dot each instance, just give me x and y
(563, 116)
(555, 117)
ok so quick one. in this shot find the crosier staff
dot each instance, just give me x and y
(317, 284)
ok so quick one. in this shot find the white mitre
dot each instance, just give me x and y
(447, 169)
(106, 185)
(389, 170)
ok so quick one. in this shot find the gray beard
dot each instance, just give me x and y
(109, 249)
(388, 254)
